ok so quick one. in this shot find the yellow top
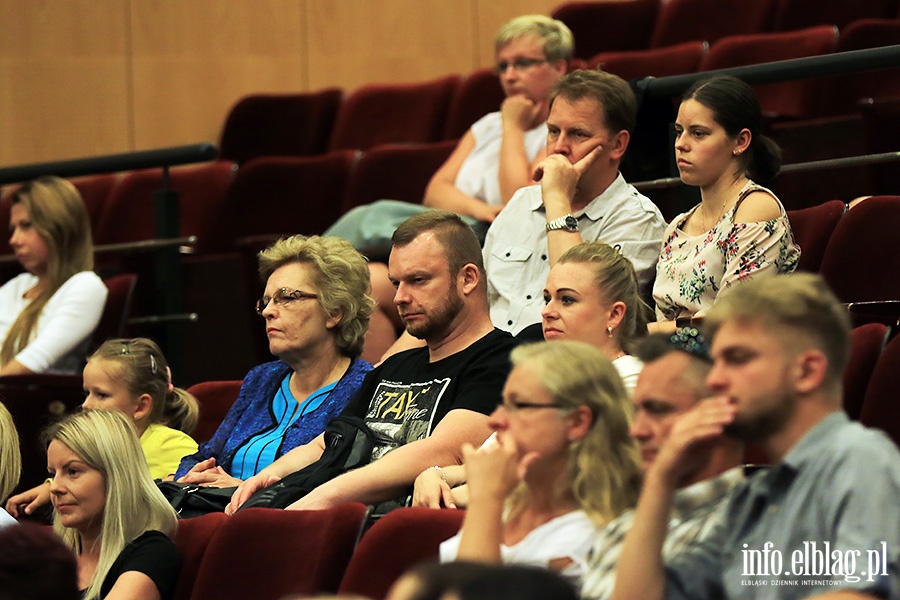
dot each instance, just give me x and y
(164, 448)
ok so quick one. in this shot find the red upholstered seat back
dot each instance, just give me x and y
(267, 554)
(192, 538)
(399, 540)
(385, 114)
(215, 398)
(687, 20)
(812, 228)
(861, 261)
(280, 125)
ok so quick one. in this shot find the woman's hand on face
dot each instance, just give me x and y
(28, 501)
(520, 111)
(431, 491)
(495, 470)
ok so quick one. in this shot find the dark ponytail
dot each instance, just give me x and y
(735, 107)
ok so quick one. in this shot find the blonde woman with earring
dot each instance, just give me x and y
(591, 296)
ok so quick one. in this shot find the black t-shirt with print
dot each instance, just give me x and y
(405, 398)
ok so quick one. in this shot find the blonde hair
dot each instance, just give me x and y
(604, 466)
(786, 305)
(559, 43)
(144, 370)
(341, 278)
(60, 218)
(615, 278)
(107, 441)
(10, 455)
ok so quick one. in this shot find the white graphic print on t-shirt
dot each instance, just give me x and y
(400, 413)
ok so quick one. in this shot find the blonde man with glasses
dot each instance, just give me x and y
(492, 160)
(495, 157)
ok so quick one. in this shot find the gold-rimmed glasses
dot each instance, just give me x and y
(283, 297)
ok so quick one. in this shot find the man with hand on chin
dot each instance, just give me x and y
(581, 196)
(779, 347)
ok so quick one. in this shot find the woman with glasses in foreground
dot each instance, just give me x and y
(563, 466)
(316, 309)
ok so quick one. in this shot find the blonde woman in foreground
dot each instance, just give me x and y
(108, 510)
(563, 466)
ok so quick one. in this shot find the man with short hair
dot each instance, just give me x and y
(672, 382)
(427, 402)
(581, 197)
(824, 520)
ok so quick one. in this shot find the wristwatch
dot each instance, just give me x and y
(567, 222)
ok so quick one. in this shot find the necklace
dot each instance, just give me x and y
(721, 212)
(718, 216)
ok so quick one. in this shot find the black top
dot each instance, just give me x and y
(406, 397)
(153, 554)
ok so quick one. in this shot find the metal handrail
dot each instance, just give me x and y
(782, 70)
(112, 163)
(665, 183)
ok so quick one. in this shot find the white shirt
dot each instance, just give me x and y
(60, 341)
(568, 536)
(629, 367)
(6, 519)
(516, 251)
(479, 175)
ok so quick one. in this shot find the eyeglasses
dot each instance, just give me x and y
(283, 297)
(690, 340)
(514, 406)
(519, 64)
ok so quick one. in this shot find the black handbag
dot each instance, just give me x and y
(192, 500)
(348, 445)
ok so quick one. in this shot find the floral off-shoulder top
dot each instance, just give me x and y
(694, 269)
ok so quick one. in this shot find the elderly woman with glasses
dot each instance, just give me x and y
(563, 466)
(316, 309)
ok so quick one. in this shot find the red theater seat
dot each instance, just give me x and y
(386, 114)
(266, 554)
(402, 538)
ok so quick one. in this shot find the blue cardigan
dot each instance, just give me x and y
(251, 414)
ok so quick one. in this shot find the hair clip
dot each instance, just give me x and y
(126, 349)
(169, 387)
(152, 364)
(690, 340)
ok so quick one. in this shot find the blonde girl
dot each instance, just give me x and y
(132, 376)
